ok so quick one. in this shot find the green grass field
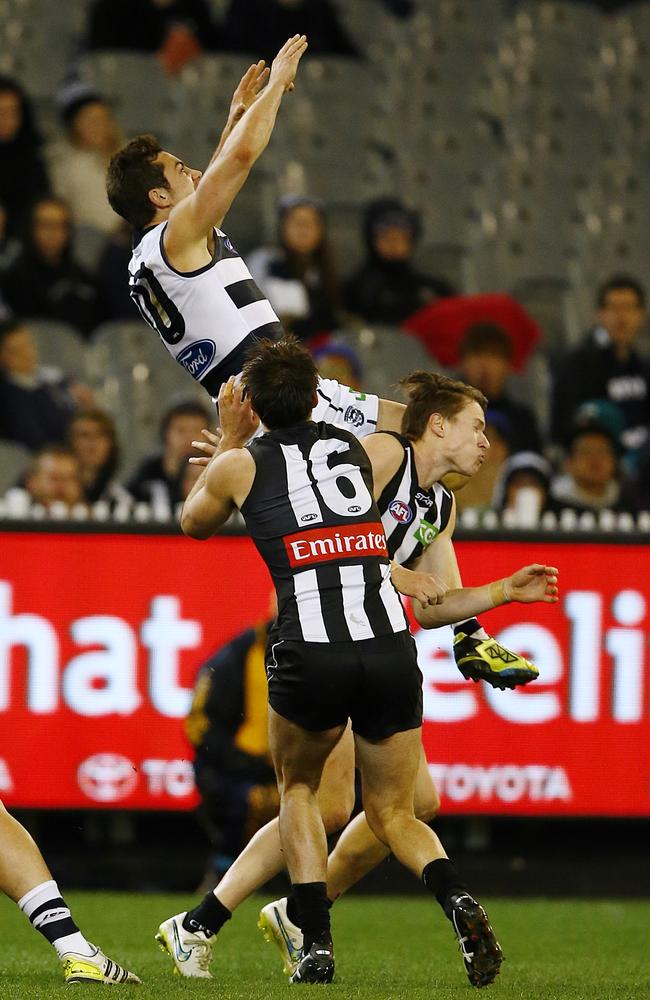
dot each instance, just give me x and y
(386, 947)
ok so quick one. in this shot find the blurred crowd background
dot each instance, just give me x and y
(453, 185)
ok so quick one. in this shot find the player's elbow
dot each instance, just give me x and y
(243, 155)
(192, 528)
(426, 617)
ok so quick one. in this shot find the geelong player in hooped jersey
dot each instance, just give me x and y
(186, 277)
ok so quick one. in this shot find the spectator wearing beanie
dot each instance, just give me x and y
(525, 472)
(387, 288)
(79, 160)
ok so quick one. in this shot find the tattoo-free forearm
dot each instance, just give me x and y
(250, 135)
(467, 602)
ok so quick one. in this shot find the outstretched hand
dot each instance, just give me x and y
(248, 89)
(533, 583)
(285, 64)
(208, 446)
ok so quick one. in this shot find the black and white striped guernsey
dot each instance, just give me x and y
(412, 517)
(208, 318)
(313, 519)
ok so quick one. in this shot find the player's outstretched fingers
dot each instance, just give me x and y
(552, 589)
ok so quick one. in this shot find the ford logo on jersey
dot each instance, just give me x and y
(401, 511)
(197, 357)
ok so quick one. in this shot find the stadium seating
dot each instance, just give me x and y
(386, 354)
(60, 346)
(137, 88)
(135, 382)
(467, 117)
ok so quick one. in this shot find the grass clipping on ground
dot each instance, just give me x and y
(386, 947)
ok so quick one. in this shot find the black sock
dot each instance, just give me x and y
(209, 916)
(469, 626)
(441, 878)
(313, 910)
(292, 908)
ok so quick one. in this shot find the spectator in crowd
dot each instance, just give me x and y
(607, 366)
(53, 477)
(227, 725)
(338, 361)
(158, 480)
(46, 282)
(36, 403)
(23, 175)
(9, 245)
(477, 494)
(387, 288)
(298, 274)
(176, 30)
(524, 488)
(641, 480)
(592, 478)
(92, 437)
(114, 298)
(78, 161)
(486, 355)
(263, 26)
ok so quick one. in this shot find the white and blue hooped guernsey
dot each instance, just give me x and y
(208, 319)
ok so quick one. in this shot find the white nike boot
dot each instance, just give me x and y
(191, 953)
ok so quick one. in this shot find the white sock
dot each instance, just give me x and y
(47, 912)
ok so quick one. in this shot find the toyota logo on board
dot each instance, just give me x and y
(107, 777)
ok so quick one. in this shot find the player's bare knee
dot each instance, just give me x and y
(427, 808)
(336, 815)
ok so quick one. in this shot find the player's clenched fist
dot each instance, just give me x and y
(423, 587)
(285, 64)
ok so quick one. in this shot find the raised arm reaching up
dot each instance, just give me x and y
(191, 219)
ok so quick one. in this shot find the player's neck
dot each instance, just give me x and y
(430, 464)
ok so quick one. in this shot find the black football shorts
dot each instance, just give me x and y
(374, 682)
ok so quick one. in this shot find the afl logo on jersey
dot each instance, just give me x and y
(229, 244)
(401, 512)
(197, 357)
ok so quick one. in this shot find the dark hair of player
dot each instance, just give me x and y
(281, 380)
(130, 177)
(430, 393)
(619, 283)
(190, 408)
(486, 338)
